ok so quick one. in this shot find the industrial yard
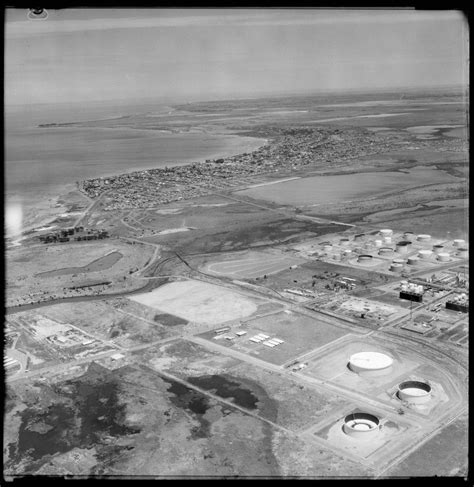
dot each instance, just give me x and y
(312, 327)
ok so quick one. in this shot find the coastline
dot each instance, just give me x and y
(54, 202)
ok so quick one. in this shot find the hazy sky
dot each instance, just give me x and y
(92, 54)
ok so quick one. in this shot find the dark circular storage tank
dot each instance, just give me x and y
(414, 391)
(361, 426)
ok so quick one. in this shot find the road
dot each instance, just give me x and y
(55, 369)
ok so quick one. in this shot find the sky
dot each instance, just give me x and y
(81, 55)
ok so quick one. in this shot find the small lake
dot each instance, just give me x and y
(317, 190)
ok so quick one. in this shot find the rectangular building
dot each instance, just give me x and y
(411, 296)
(464, 308)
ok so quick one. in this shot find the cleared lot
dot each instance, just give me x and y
(198, 301)
(251, 265)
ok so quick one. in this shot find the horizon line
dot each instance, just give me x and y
(191, 98)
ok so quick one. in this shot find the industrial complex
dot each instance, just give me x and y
(253, 327)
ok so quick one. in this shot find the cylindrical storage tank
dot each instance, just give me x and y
(443, 257)
(370, 363)
(347, 252)
(387, 239)
(402, 247)
(386, 232)
(437, 249)
(385, 251)
(462, 252)
(423, 237)
(378, 243)
(459, 243)
(364, 259)
(327, 248)
(398, 261)
(359, 237)
(413, 260)
(361, 426)
(394, 267)
(424, 254)
(414, 392)
(344, 241)
(409, 236)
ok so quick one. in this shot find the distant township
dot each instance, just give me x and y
(289, 149)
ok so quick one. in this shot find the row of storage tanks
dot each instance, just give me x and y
(362, 425)
(461, 298)
(411, 287)
(404, 246)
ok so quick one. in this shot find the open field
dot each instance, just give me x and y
(198, 301)
(250, 265)
(444, 455)
(121, 328)
(279, 399)
(133, 421)
(100, 264)
(49, 273)
(300, 334)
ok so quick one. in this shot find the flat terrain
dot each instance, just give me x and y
(41, 272)
(137, 356)
(316, 190)
(198, 301)
(251, 265)
(299, 333)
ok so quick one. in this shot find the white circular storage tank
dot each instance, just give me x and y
(398, 261)
(424, 254)
(409, 236)
(386, 232)
(378, 243)
(443, 257)
(327, 248)
(414, 392)
(395, 267)
(413, 260)
(361, 426)
(423, 237)
(370, 363)
(344, 241)
(458, 242)
(385, 250)
(438, 249)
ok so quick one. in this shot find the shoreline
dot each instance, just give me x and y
(52, 197)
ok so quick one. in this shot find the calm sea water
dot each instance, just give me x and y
(42, 162)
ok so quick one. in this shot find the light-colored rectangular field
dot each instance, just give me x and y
(299, 333)
(252, 264)
(198, 301)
